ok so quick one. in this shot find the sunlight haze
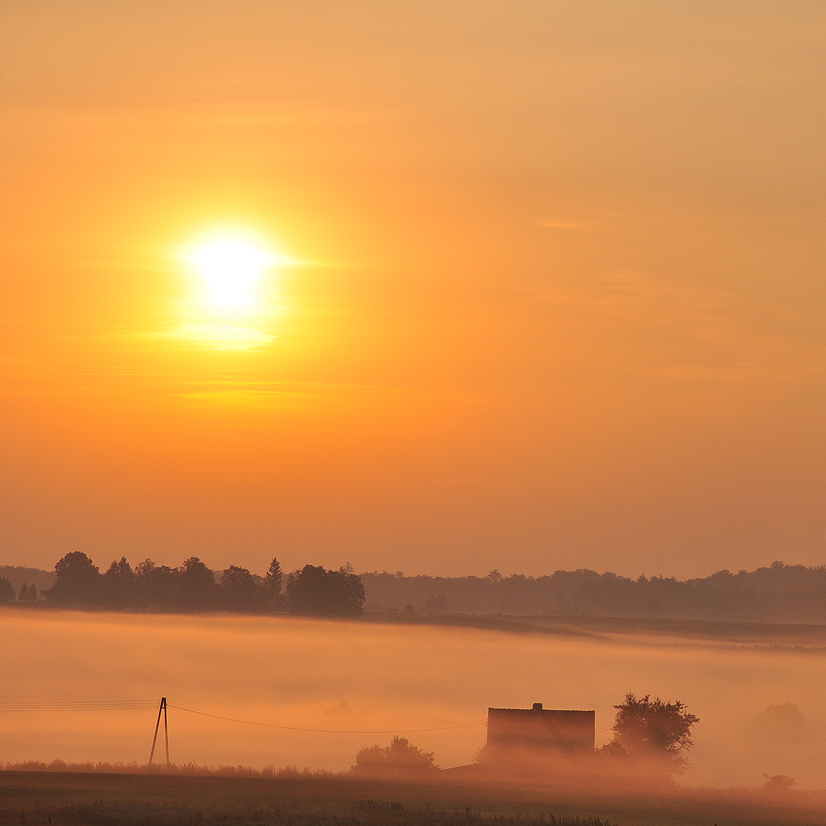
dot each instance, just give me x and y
(431, 287)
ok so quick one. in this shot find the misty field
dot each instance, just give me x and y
(358, 683)
(40, 799)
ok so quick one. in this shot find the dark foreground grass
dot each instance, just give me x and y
(93, 799)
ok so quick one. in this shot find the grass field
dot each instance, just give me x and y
(90, 799)
(796, 635)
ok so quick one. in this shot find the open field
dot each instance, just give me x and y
(796, 635)
(66, 799)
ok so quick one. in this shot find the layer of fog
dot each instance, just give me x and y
(759, 705)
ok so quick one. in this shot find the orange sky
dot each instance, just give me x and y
(560, 303)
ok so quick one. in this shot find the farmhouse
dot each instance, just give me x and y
(536, 729)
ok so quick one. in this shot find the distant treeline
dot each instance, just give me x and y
(778, 593)
(20, 575)
(191, 587)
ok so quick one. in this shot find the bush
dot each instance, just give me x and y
(400, 757)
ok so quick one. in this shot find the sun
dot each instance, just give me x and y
(230, 268)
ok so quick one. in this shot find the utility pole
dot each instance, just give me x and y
(161, 711)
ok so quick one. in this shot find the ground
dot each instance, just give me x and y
(90, 799)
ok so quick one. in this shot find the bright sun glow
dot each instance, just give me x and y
(231, 268)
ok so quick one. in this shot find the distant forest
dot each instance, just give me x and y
(777, 593)
(191, 587)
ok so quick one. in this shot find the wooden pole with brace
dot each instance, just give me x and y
(161, 711)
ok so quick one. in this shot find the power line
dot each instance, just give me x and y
(135, 705)
(323, 730)
(88, 705)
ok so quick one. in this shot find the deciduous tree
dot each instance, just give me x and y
(156, 586)
(652, 729)
(77, 581)
(241, 590)
(315, 591)
(197, 588)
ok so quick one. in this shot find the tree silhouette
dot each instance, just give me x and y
(27, 593)
(778, 783)
(156, 586)
(77, 581)
(315, 591)
(652, 729)
(6, 591)
(272, 584)
(400, 757)
(241, 590)
(119, 584)
(435, 604)
(197, 590)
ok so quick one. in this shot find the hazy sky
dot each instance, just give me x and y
(557, 301)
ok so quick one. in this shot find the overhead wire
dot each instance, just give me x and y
(325, 730)
(136, 705)
(84, 705)
(130, 705)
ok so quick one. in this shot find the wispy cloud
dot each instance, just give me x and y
(216, 336)
(570, 225)
(693, 332)
(271, 392)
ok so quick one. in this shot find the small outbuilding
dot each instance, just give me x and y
(541, 730)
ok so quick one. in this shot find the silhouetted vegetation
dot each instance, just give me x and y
(366, 813)
(401, 757)
(191, 769)
(6, 591)
(79, 582)
(192, 586)
(652, 731)
(315, 591)
(20, 575)
(272, 583)
(104, 795)
(777, 593)
(779, 783)
(779, 724)
(196, 796)
(28, 593)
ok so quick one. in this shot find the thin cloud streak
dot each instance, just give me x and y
(217, 336)
(703, 333)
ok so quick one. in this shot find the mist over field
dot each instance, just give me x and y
(758, 698)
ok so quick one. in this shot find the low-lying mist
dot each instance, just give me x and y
(759, 704)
